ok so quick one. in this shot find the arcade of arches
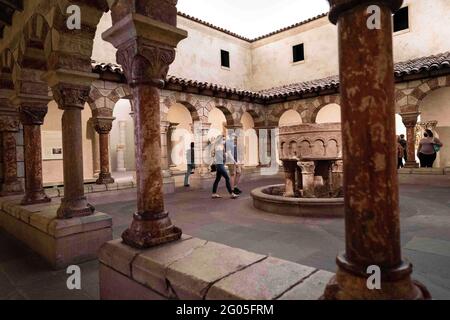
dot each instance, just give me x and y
(69, 121)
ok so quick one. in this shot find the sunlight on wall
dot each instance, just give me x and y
(331, 113)
(290, 118)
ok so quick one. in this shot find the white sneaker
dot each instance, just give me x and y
(234, 196)
(216, 196)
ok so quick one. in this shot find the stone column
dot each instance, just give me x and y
(410, 122)
(145, 51)
(165, 149)
(71, 90)
(337, 176)
(9, 126)
(168, 180)
(308, 168)
(290, 169)
(201, 130)
(172, 128)
(32, 115)
(264, 135)
(121, 147)
(103, 127)
(372, 224)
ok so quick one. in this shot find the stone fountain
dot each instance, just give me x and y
(312, 162)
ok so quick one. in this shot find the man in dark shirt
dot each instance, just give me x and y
(190, 158)
(404, 144)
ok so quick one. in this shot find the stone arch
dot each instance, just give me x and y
(305, 147)
(427, 87)
(230, 118)
(192, 110)
(320, 102)
(31, 48)
(320, 113)
(290, 113)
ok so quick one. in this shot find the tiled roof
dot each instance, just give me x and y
(184, 15)
(425, 64)
(401, 69)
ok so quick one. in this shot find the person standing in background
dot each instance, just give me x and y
(190, 158)
(428, 148)
(404, 144)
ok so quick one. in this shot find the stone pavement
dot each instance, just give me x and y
(425, 223)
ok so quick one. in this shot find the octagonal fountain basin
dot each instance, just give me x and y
(270, 199)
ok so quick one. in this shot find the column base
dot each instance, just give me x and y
(35, 198)
(105, 178)
(11, 189)
(74, 208)
(411, 164)
(144, 234)
(396, 284)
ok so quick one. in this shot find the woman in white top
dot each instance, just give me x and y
(428, 148)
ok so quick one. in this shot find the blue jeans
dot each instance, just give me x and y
(190, 167)
(222, 172)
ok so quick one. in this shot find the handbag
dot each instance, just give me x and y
(436, 148)
(213, 168)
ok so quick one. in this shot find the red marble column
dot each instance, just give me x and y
(71, 99)
(410, 122)
(32, 117)
(103, 127)
(11, 185)
(372, 222)
(145, 50)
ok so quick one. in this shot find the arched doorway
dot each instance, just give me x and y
(435, 107)
(250, 140)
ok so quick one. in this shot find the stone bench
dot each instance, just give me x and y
(425, 171)
(60, 242)
(195, 269)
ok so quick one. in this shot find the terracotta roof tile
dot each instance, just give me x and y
(410, 67)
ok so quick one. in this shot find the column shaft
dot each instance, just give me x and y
(410, 122)
(32, 117)
(34, 188)
(103, 127)
(11, 184)
(371, 183)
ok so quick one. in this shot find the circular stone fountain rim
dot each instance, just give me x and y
(258, 193)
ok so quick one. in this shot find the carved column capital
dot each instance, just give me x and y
(33, 114)
(9, 123)
(307, 167)
(71, 96)
(165, 125)
(338, 7)
(145, 46)
(410, 119)
(103, 125)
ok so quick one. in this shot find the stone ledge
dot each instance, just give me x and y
(60, 242)
(425, 171)
(195, 269)
(57, 192)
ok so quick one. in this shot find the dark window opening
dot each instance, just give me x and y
(401, 19)
(298, 52)
(225, 58)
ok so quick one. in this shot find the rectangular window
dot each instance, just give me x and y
(298, 53)
(401, 19)
(225, 58)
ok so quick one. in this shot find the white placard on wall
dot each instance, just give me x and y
(52, 145)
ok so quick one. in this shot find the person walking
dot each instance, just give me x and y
(190, 158)
(400, 153)
(404, 144)
(429, 146)
(219, 157)
(234, 167)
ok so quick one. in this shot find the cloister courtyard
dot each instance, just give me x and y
(120, 119)
(425, 225)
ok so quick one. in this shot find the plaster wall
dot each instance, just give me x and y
(52, 170)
